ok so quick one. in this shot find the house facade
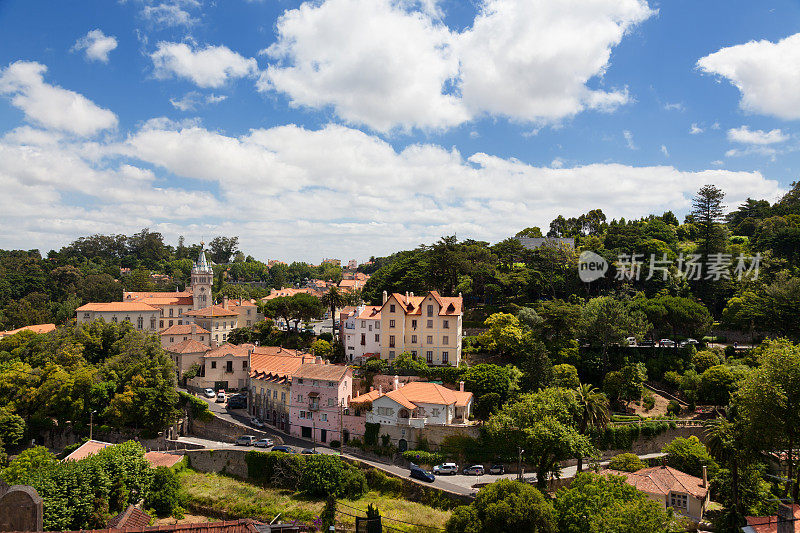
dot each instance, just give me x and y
(185, 354)
(226, 367)
(319, 394)
(215, 319)
(178, 333)
(361, 332)
(685, 494)
(428, 327)
(269, 391)
(144, 317)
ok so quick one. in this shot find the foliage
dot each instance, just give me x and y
(622, 437)
(673, 408)
(626, 462)
(407, 365)
(422, 457)
(322, 349)
(565, 376)
(163, 495)
(371, 430)
(504, 505)
(329, 475)
(690, 456)
(26, 463)
(196, 407)
(626, 384)
(599, 503)
(484, 379)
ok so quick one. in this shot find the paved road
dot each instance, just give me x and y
(457, 483)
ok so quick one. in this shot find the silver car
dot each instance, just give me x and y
(445, 469)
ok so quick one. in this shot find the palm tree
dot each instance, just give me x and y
(592, 410)
(333, 299)
(723, 445)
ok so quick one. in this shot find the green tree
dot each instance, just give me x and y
(504, 505)
(483, 378)
(625, 384)
(565, 376)
(690, 456)
(163, 497)
(333, 300)
(605, 321)
(593, 411)
(27, 462)
(322, 349)
(626, 462)
(222, 248)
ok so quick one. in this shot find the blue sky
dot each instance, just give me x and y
(350, 128)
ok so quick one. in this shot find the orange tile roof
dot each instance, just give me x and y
(418, 392)
(769, 524)
(157, 459)
(163, 302)
(274, 366)
(448, 306)
(278, 293)
(236, 350)
(370, 312)
(244, 525)
(662, 480)
(129, 518)
(130, 295)
(184, 329)
(90, 447)
(188, 346)
(36, 328)
(117, 307)
(211, 311)
(367, 397)
(400, 398)
(321, 371)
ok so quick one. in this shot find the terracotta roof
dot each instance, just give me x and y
(244, 525)
(36, 328)
(162, 302)
(117, 307)
(236, 350)
(278, 293)
(211, 311)
(396, 396)
(183, 329)
(769, 524)
(130, 517)
(157, 459)
(90, 447)
(370, 312)
(367, 397)
(418, 392)
(274, 366)
(129, 295)
(188, 346)
(321, 371)
(662, 480)
(448, 306)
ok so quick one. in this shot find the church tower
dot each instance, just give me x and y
(202, 279)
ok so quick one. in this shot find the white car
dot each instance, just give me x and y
(256, 422)
(666, 343)
(209, 393)
(631, 341)
(264, 443)
(445, 468)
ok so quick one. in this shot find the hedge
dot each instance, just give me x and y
(423, 457)
(316, 475)
(622, 437)
(198, 409)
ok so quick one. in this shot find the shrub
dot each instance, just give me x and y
(371, 430)
(704, 360)
(386, 440)
(566, 376)
(336, 444)
(422, 457)
(648, 402)
(384, 484)
(689, 456)
(626, 462)
(163, 496)
(197, 408)
(378, 366)
(353, 484)
(673, 379)
(275, 468)
(673, 408)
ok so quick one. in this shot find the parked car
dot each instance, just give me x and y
(422, 475)
(631, 341)
(209, 393)
(263, 443)
(474, 470)
(445, 468)
(246, 440)
(256, 422)
(309, 451)
(647, 343)
(497, 469)
(666, 343)
(221, 397)
(283, 448)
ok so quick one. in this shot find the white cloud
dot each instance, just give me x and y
(96, 45)
(170, 14)
(677, 106)
(744, 135)
(49, 105)
(557, 163)
(764, 72)
(385, 65)
(211, 66)
(664, 150)
(629, 139)
(695, 129)
(193, 99)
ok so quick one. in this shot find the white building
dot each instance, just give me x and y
(362, 333)
(143, 317)
(419, 404)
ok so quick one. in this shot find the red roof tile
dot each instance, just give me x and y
(184, 329)
(36, 328)
(117, 307)
(188, 346)
(211, 311)
(662, 480)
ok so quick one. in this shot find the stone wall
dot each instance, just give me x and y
(645, 445)
(231, 462)
(222, 430)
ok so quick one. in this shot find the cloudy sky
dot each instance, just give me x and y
(347, 128)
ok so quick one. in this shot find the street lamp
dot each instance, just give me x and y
(91, 421)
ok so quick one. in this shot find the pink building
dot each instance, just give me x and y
(319, 393)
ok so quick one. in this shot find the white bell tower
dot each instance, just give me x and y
(202, 279)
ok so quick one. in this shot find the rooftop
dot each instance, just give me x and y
(91, 447)
(236, 350)
(37, 328)
(211, 311)
(184, 329)
(117, 307)
(412, 394)
(324, 371)
(412, 305)
(188, 346)
(277, 364)
(662, 480)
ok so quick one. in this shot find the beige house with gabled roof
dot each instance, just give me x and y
(179, 333)
(144, 317)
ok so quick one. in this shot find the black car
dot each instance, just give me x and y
(422, 475)
(309, 451)
(282, 448)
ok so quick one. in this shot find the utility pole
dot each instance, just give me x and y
(91, 421)
(520, 476)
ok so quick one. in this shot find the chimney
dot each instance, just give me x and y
(705, 476)
(412, 294)
(302, 359)
(371, 388)
(385, 296)
(225, 302)
(318, 360)
(459, 295)
(280, 349)
(396, 382)
(406, 297)
(461, 386)
(380, 389)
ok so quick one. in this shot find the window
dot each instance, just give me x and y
(391, 323)
(677, 501)
(391, 341)
(171, 310)
(363, 339)
(446, 324)
(283, 396)
(370, 327)
(445, 340)
(161, 324)
(331, 402)
(299, 398)
(244, 365)
(275, 395)
(228, 366)
(430, 324)
(183, 338)
(324, 417)
(213, 364)
(140, 322)
(377, 338)
(430, 339)
(391, 308)
(430, 310)
(445, 358)
(413, 354)
(414, 323)
(302, 414)
(363, 324)
(413, 339)
(216, 337)
(300, 381)
(86, 315)
(172, 339)
(429, 356)
(202, 337)
(224, 335)
(391, 354)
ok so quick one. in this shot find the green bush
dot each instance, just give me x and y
(673, 408)
(277, 469)
(626, 462)
(328, 475)
(423, 458)
(336, 444)
(197, 408)
(163, 496)
(648, 402)
(371, 433)
(622, 437)
(384, 484)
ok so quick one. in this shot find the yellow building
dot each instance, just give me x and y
(428, 327)
(271, 369)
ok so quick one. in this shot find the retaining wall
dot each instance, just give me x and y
(222, 430)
